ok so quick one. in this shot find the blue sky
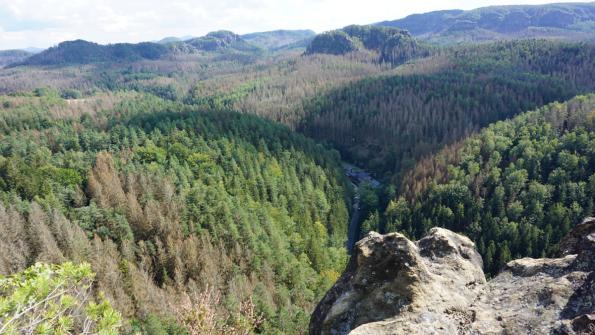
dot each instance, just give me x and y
(43, 23)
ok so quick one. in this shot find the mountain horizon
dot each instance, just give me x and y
(407, 22)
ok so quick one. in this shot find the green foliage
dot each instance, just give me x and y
(219, 199)
(169, 194)
(221, 100)
(516, 188)
(71, 94)
(387, 123)
(154, 325)
(45, 92)
(54, 299)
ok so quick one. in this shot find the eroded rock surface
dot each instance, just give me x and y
(436, 286)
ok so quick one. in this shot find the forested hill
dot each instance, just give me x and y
(277, 39)
(83, 52)
(516, 188)
(177, 210)
(564, 20)
(217, 41)
(202, 181)
(387, 123)
(393, 45)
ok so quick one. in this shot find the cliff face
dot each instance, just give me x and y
(436, 286)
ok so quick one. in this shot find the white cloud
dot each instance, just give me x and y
(105, 21)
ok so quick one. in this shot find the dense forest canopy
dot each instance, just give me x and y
(54, 299)
(516, 188)
(202, 179)
(388, 122)
(141, 189)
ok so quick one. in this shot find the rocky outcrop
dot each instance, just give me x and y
(394, 45)
(436, 286)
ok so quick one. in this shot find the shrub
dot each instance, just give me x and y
(54, 299)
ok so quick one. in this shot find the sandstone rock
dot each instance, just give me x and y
(436, 286)
(412, 286)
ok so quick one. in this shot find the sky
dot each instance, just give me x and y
(43, 23)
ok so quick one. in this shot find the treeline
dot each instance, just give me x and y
(516, 188)
(388, 123)
(178, 211)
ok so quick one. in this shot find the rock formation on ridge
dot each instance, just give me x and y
(436, 286)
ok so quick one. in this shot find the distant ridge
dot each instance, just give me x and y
(173, 39)
(563, 20)
(84, 52)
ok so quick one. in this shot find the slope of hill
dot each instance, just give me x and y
(386, 123)
(516, 188)
(177, 210)
(567, 20)
(8, 57)
(83, 52)
(393, 45)
(278, 39)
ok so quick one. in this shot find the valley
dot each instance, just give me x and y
(220, 183)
